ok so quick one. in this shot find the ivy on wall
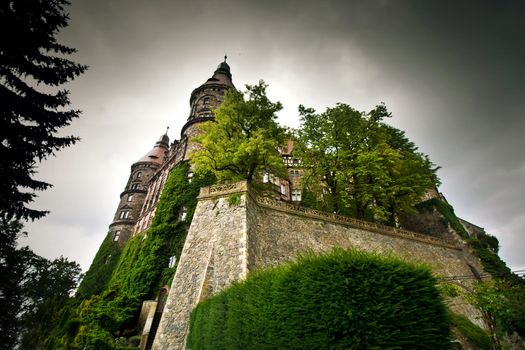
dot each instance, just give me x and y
(99, 273)
(108, 307)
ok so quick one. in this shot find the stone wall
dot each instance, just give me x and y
(213, 256)
(234, 232)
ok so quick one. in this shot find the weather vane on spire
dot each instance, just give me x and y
(167, 128)
(225, 57)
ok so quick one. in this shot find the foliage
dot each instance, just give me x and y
(359, 166)
(242, 141)
(486, 296)
(32, 289)
(514, 292)
(341, 300)
(31, 118)
(234, 199)
(472, 332)
(29, 123)
(484, 248)
(99, 273)
(141, 271)
(503, 297)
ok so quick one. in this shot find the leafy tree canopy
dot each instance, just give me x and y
(31, 116)
(32, 287)
(358, 165)
(242, 141)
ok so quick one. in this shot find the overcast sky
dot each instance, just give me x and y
(451, 72)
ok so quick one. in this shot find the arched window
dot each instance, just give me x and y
(130, 197)
(139, 175)
(116, 236)
(173, 261)
(183, 213)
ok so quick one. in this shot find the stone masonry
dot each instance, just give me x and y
(230, 236)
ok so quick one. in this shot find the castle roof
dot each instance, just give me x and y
(156, 155)
(222, 75)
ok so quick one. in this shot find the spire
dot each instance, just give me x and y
(164, 140)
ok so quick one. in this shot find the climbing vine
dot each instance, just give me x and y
(109, 307)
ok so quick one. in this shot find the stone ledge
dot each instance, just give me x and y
(347, 221)
(223, 190)
(242, 186)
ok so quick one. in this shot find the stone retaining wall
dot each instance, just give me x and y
(229, 237)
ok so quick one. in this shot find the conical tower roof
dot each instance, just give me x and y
(156, 155)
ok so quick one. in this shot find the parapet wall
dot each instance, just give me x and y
(230, 236)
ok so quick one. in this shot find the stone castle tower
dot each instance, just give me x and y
(148, 175)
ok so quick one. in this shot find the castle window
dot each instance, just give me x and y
(283, 189)
(183, 213)
(296, 195)
(139, 175)
(173, 261)
(266, 178)
(130, 197)
(116, 236)
(124, 214)
(135, 186)
(206, 100)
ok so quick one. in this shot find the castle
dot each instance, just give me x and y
(226, 242)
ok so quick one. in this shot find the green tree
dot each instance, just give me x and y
(32, 288)
(242, 142)
(489, 298)
(32, 62)
(32, 110)
(357, 165)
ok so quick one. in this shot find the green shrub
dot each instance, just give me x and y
(472, 332)
(341, 300)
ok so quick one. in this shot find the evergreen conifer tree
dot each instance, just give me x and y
(32, 63)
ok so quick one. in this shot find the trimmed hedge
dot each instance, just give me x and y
(341, 300)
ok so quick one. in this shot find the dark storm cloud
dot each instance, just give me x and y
(450, 71)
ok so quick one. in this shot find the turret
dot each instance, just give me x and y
(132, 198)
(204, 100)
